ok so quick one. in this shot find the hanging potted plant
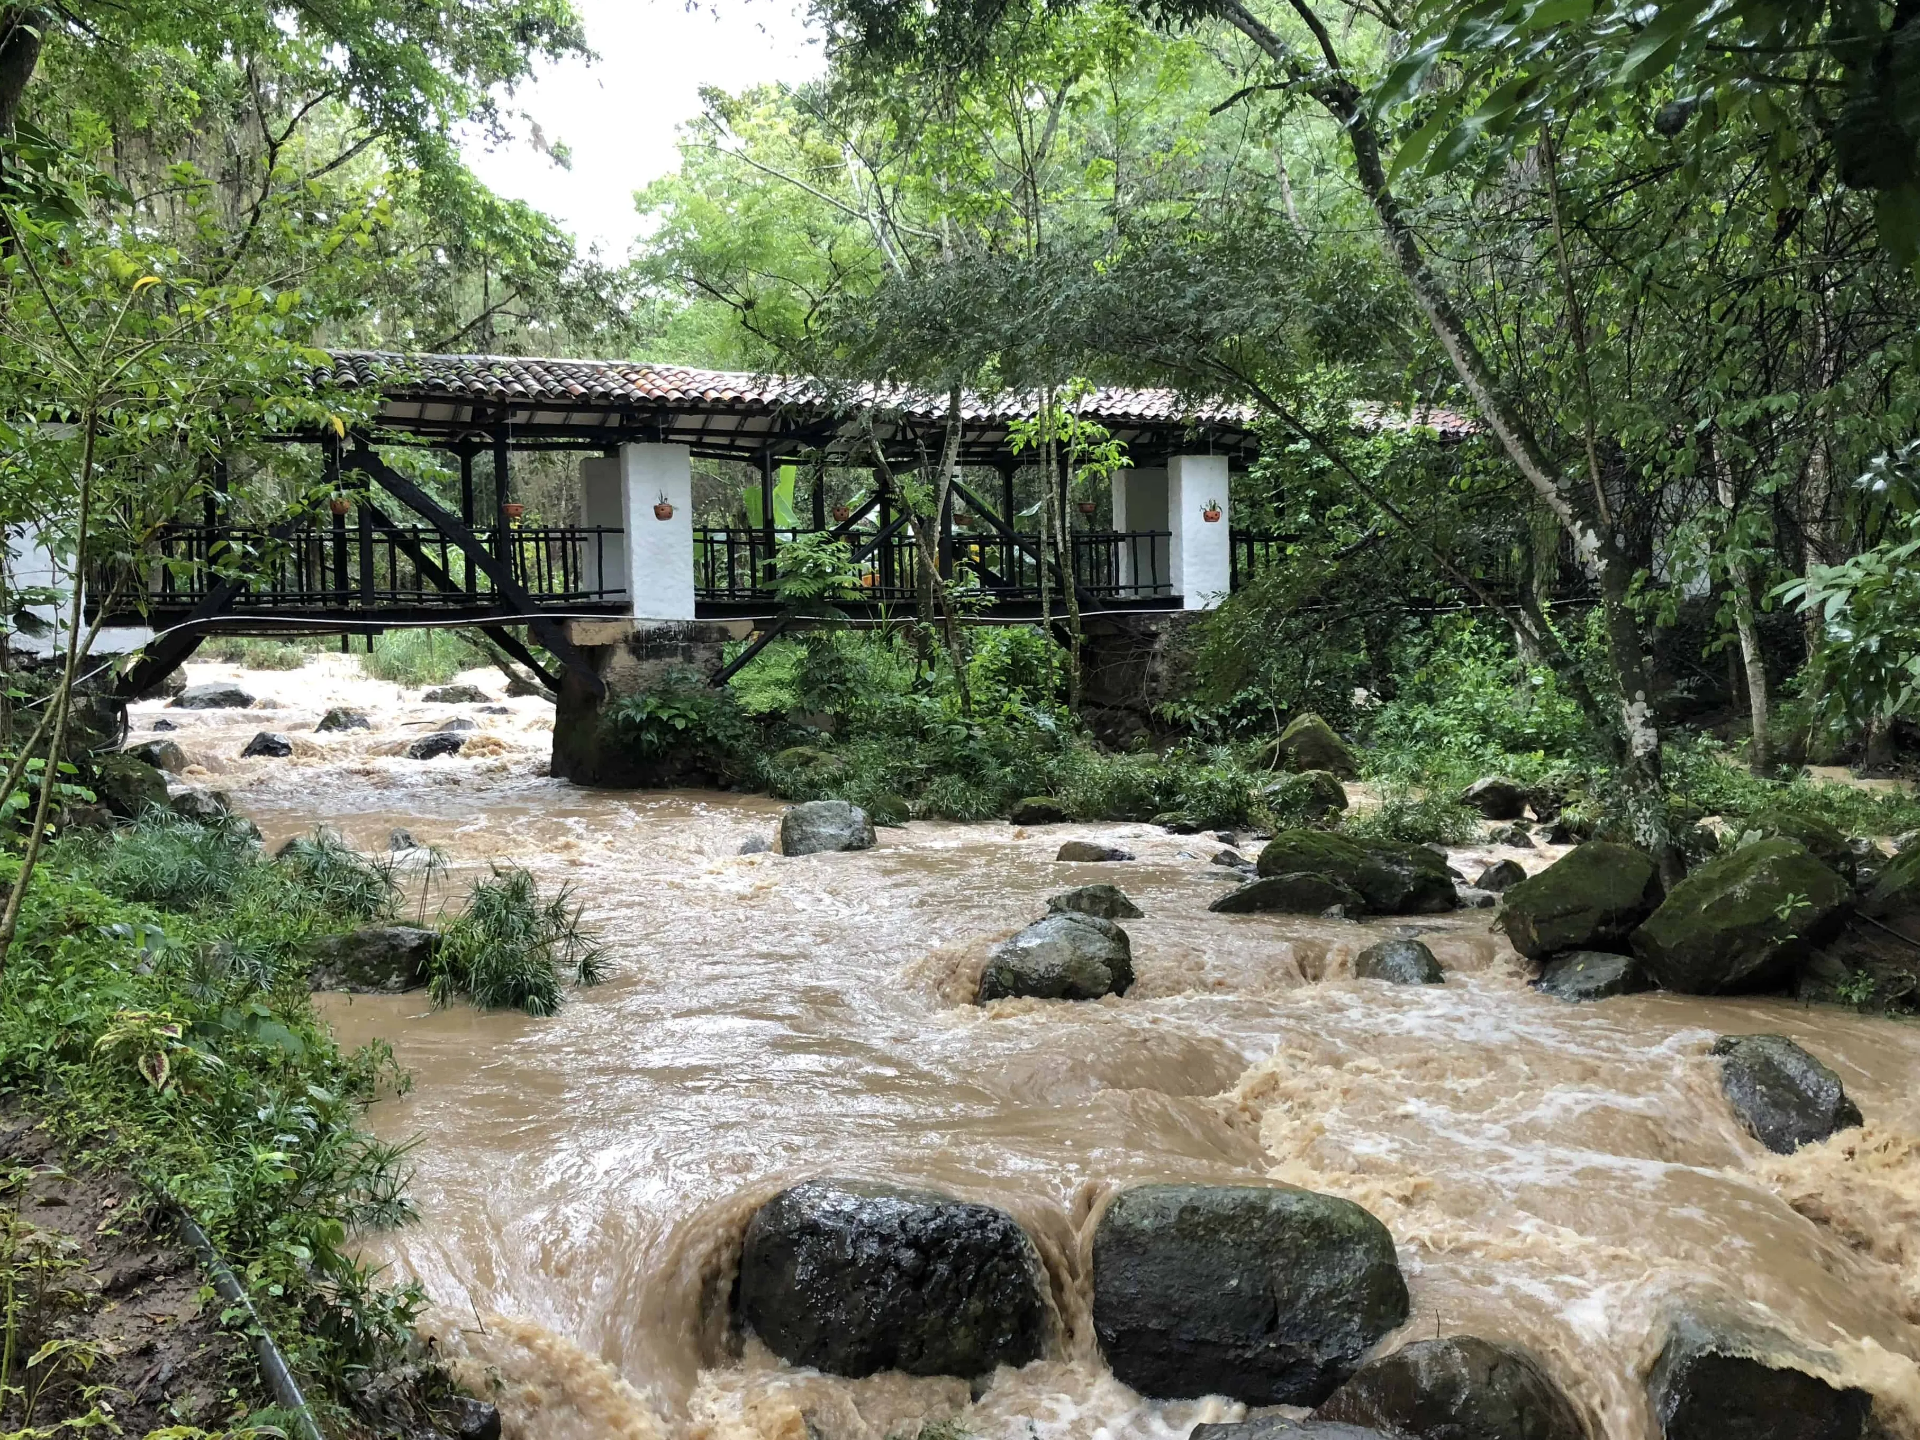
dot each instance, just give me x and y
(1212, 513)
(1087, 507)
(339, 504)
(842, 514)
(663, 507)
(513, 512)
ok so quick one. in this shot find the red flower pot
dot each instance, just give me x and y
(339, 505)
(513, 513)
(1212, 517)
(663, 511)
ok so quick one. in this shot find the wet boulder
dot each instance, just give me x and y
(1231, 859)
(1040, 810)
(1264, 1294)
(1785, 1097)
(1591, 975)
(267, 744)
(202, 807)
(1500, 876)
(161, 754)
(1456, 1388)
(127, 786)
(1107, 902)
(890, 809)
(1299, 894)
(822, 826)
(754, 845)
(1591, 898)
(456, 695)
(1177, 822)
(1828, 844)
(458, 722)
(1517, 836)
(212, 695)
(1391, 879)
(1399, 962)
(1309, 795)
(342, 718)
(1874, 959)
(436, 743)
(376, 960)
(1472, 897)
(521, 688)
(1091, 851)
(1496, 797)
(1719, 1377)
(1278, 1427)
(1062, 956)
(1741, 921)
(854, 1277)
(1310, 743)
(465, 1418)
(164, 724)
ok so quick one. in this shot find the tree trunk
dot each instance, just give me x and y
(20, 32)
(1740, 589)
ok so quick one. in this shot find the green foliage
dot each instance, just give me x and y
(420, 657)
(339, 878)
(1424, 818)
(512, 949)
(256, 654)
(1703, 777)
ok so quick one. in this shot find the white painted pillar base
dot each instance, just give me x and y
(1140, 503)
(603, 564)
(659, 552)
(1201, 551)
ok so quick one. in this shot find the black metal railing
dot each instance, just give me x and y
(735, 565)
(1496, 570)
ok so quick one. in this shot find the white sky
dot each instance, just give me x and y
(618, 114)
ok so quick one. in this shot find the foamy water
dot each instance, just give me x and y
(1553, 1174)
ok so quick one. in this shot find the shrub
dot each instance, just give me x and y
(257, 654)
(1429, 819)
(178, 864)
(420, 657)
(510, 948)
(338, 879)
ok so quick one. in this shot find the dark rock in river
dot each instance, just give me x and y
(465, 1418)
(853, 1277)
(1591, 898)
(1875, 957)
(1267, 1295)
(1457, 1388)
(127, 786)
(378, 960)
(456, 695)
(1063, 956)
(268, 743)
(1741, 921)
(161, 754)
(435, 744)
(1517, 836)
(519, 687)
(1310, 743)
(214, 695)
(755, 845)
(1591, 975)
(1176, 822)
(1391, 879)
(1278, 1427)
(1472, 897)
(1232, 859)
(1108, 902)
(1500, 876)
(1783, 1095)
(1721, 1378)
(1088, 850)
(203, 807)
(1039, 810)
(341, 718)
(822, 826)
(1496, 797)
(164, 724)
(458, 722)
(1401, 962)
(1289, 895)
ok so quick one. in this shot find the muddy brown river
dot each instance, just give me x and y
(1553, 1174)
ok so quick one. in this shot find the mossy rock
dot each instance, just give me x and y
(1040, 810)
(1392, 879)
(1591, 898)
(1827, 844)
(129, 787)
(888, 808)
(1300, 894)
(1310, 743)
(1741, 922)
(1309, 795)
(1176, 822)
(808, 760)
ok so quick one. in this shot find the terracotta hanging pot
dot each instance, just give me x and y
(663, 510)
(1211, 515)
(1087, 507)
(339, 505)
(513, 513)
(842, 514)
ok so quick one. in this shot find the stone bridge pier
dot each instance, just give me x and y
(631, 657)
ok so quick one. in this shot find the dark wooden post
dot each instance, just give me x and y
(946, 538)
(820, 494)
(1009, 552)
(365, 513)
(502, 543)
(332, 471)
(766, 513)
(885, 542)
(466, 508)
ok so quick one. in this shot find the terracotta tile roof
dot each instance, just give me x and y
(641, 387)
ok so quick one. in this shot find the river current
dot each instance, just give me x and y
(1558, 1175)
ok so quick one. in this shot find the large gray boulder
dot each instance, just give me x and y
(377, 960)
(456, 695)
(1063, 956)
(819, 826)
(1741, 921)
(1591, 975)
(1264, 1294)
(1783, 1095)
(268, 744)
(1107, 902)
(1309, 795)
(1391, 879)
(161, 754)
(1040, 810)
(1289, 895)
(212, 695)
(1591, 898)
(1722, 1378)
(127, 786)
(436, 743)
(1091, 852)
(1500, 876)
(1400, 962)
(1457, 1388)
(854, 1277)
(1496, 797)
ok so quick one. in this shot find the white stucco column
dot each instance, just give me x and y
(603, 560)
(1140, 503)
(659, 552)
(1201, 555)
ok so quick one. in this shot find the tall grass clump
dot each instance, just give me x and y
(176, 864)
(510, 948)
(419, 657)
(338, 879)
(255, 653)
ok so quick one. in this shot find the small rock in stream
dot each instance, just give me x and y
(402, 840)
(465, 1418)
(1063, 956)
(1040, 810)
(342, 718)
(456, 695)
(1302, 894)
(1784, 1096)
(269, 743)
(375, 960)
(436, 744)
(164, 724)
(214, 695)
(1472, 897)
(1495, 797)
(1591, 975)
(458, 722)
(1401, 962)
(755, 845)
(1088, 850)
(1233, 859)
(1457, 1387)
(1106, 902)
(1720, 1376)
(854, 1277)
(1499, 876)
(203, 807)
(161, 754)
(1515, 835)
